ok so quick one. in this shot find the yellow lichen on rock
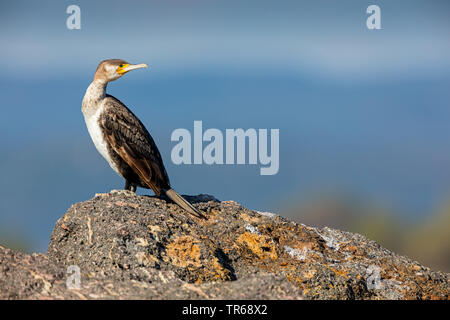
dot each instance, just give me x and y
(308, 274)
(262, 246)
(184, 252)
(220, 273)
(342, 273)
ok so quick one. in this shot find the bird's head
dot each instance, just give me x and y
(113, 69)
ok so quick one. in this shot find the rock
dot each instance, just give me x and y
(33, 276)
(141, 247)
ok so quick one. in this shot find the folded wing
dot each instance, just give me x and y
(129, 138)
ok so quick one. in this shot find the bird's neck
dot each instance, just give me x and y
(95, 93)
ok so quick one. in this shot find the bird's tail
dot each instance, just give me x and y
(183, 203)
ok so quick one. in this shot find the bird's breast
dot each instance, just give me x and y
(97, 136)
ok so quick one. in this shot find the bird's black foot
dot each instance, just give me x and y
(130, 186)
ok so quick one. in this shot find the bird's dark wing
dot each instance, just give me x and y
(129, 138)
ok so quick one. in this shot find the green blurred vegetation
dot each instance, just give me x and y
(426, 240)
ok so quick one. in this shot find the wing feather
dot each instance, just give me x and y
(129, 138)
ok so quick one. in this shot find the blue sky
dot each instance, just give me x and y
(359, 111)
(321, 37)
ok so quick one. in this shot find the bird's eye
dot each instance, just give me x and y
(121, 66)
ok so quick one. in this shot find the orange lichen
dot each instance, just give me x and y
(219, 272)
(342, 273)
(352, 249)
(262, 246)
(294, 279)
(183, 252)
(186, 253)
(309, 273)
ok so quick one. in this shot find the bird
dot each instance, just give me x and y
(122, 139)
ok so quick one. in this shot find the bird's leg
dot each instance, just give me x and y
(130, 186)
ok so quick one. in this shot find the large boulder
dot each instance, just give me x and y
(130, 246)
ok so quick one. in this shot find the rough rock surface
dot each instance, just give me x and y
(129, 246)
(24, 276)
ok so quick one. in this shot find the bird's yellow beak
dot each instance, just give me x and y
(124, 68)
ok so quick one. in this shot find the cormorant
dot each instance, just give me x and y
(122, 139)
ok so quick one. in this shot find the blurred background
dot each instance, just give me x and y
(363, 114)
